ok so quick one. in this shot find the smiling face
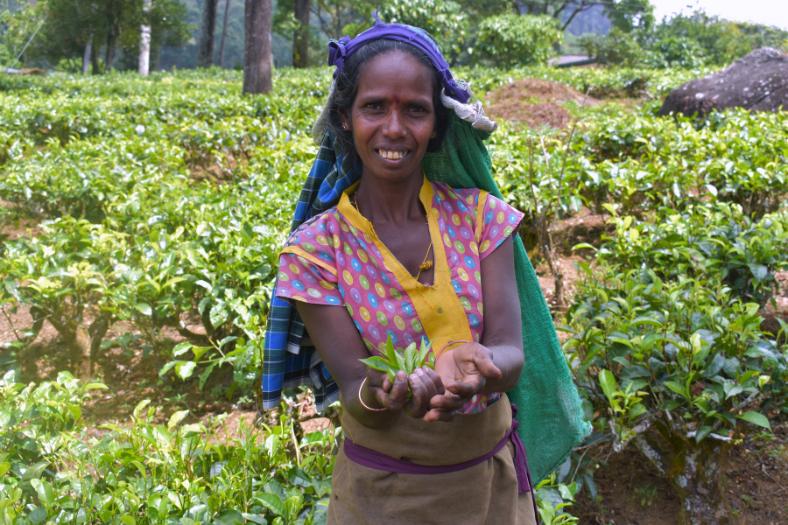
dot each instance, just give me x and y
(392, 118)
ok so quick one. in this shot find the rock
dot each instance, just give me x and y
(758, 82)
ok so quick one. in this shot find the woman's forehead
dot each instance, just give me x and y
(396, 67)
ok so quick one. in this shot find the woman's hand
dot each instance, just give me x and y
(411, 393)
(465, 370)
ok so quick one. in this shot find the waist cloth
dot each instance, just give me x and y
(459, 468)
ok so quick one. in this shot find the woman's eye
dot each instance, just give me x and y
(373, 106)
(419, 110)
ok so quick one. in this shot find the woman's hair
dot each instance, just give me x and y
(345, 87)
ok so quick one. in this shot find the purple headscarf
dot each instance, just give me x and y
(340, 50)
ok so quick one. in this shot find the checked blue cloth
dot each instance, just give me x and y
(289, 360)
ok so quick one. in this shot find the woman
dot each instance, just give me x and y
(402, 257)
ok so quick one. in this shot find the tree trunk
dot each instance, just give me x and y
(205, 53)
(112, 43)
(224, 32)
(87, 55)
(695, 476)
(95, 67)
(258, 58)
(144, 60)
(301, 34)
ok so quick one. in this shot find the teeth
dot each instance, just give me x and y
(392, 155)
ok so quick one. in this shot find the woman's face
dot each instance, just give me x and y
(392, 118)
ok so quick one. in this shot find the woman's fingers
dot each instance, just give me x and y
(485, 365)
(424, 384)
(443, 407)
(466, 389)
(398, 395)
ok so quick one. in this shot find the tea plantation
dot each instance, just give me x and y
(146, 216)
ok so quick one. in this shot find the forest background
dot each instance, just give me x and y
(137, 255)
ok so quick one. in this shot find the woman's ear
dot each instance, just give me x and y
(344, 120)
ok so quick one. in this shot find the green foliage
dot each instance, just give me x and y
(68, 25)
(617, 47)
(711, 242)
(624, 14)
(446, 21)
(16, 29)
(646, 347)
(148, 472)
(512, 40)
(393, 360)
(678, 367)
(553, 498)
(684, 41)
(163, 203)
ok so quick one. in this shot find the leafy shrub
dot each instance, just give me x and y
(512, 40)
(446, 21)
(149, 472)
(617, 47)
(675, 51)
(679, 368)
(711, 242)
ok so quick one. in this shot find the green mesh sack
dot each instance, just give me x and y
(550, 414)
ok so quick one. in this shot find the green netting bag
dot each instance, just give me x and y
(550, 414)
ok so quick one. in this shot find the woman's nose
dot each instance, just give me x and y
(393, 126)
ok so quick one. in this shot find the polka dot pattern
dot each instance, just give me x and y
(333, 263)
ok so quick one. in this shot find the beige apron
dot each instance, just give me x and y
(483, 494)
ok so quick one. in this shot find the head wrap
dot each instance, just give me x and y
(342, 49)
(550, 414)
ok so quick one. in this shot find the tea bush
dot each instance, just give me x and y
(678, 368)
(141, 471)
(710, 242)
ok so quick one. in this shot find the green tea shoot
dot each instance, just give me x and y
(408, 359)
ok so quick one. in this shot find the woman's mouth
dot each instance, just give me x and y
(392, 154)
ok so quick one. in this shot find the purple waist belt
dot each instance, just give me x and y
(379, 461)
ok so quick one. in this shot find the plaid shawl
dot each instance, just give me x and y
(286, 362)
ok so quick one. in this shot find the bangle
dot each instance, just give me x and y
(360, 400)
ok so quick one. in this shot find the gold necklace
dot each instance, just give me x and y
(425, 264)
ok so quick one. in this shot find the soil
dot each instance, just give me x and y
(776, 308)
(582, 227)
(571, 275)
(534, 102)
(15, 223)
(129, 368)
(632, 493)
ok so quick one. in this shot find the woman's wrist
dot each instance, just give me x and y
(509, 360)
(364, 399)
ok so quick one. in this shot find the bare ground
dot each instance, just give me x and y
(534, 102)
(754, 481)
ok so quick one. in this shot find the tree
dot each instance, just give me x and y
(144, 60)
(511, 40)
(301, 34)
(112, 13)
(258, 57)
(624, 14)
(205, 50)
(79, 28)
(446, 21)
(224, 32)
